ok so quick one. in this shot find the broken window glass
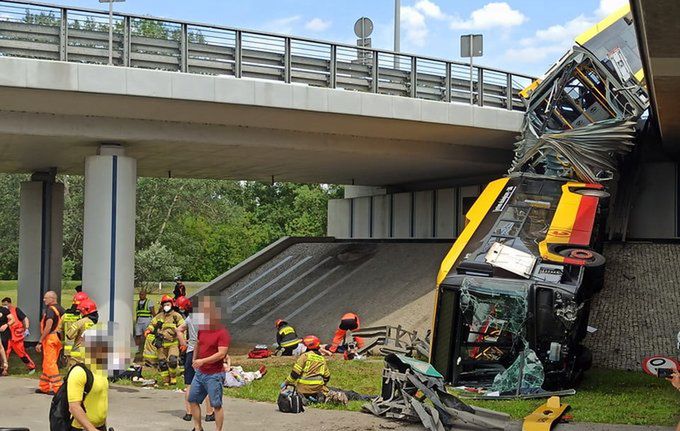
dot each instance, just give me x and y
(524, 376)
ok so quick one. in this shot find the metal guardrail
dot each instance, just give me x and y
(45, 31)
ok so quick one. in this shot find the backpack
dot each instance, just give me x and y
(290, 402)
(60, 416)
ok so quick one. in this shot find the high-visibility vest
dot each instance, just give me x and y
(18, 326)
(287, 337)
(142, 309)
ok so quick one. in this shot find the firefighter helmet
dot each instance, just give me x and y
(87, 307)
(79, 297)
(312, 342)
(184, 303)
(279, 322)
(167, 298)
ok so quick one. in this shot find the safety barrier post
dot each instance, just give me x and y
(333, 71)
(184, 49)
(480, 86)
(127, 40)
(375, 74)
(63, 35)
(447, 83)
(238, 39)
(414, 77)
(287, 61)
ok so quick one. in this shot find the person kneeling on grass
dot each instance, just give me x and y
(310, 375)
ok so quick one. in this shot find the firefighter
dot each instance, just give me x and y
(70, 317)
(19, 330)
(286, 337)
(349, 322)
(180, 289)
(50, 345)
(168, 326)
(90, 317)
(310, 375)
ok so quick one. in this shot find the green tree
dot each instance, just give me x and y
(154, 264)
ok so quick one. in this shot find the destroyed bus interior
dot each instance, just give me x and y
(515, 300)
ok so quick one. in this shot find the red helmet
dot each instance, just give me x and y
(87, 307)
(184, 303)
(279, 322)
(312, 342)
(167, 298)
(79, 297)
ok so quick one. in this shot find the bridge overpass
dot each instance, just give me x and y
(203, 101)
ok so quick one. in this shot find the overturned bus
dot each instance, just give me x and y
(519, 280)
(513, 293)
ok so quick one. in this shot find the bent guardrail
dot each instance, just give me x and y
(45, 31)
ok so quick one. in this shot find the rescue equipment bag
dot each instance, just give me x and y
(290, 401)
(60, 416)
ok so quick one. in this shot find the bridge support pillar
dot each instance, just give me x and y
(40, 244)
(109, 233)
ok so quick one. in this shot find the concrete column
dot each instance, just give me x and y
(40, 244)
(109, 233)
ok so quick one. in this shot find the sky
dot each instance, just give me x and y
(522, 36)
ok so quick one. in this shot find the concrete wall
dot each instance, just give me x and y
(654, 214)
(422, 214)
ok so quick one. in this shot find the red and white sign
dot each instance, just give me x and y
(652, 364)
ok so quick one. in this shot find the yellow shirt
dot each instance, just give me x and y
(96, 402)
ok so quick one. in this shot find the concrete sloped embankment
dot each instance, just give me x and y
(312, 282)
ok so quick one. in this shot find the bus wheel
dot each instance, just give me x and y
(593, 192)
(592, 258)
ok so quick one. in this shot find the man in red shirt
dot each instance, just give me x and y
(209, 353)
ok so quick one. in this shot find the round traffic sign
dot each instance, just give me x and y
(652, 364)
(363, 27)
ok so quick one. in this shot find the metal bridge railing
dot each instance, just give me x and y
(44, 31)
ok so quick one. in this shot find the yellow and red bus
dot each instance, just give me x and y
(519, 278)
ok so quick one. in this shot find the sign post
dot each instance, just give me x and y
(471, 45)
(363, 29)
(110, 2)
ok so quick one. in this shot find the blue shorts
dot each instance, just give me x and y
(188, 368)
(207, 385)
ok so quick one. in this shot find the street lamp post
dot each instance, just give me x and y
(110, 2)
(397, 31)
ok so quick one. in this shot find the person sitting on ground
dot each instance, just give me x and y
(236, 377)
(286, 338)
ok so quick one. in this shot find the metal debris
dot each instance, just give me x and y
(414, 391)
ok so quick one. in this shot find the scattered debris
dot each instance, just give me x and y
(414, 391)
(544, 416)
(393, 339)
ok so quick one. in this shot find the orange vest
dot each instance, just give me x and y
(18, 327)
(58, 323)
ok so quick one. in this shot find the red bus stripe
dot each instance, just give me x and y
(585, 219)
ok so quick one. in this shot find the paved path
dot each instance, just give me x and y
(137, 409)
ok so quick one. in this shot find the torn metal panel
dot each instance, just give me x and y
(510, 259)
(413, 391)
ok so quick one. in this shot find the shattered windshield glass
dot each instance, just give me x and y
(494, 334)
